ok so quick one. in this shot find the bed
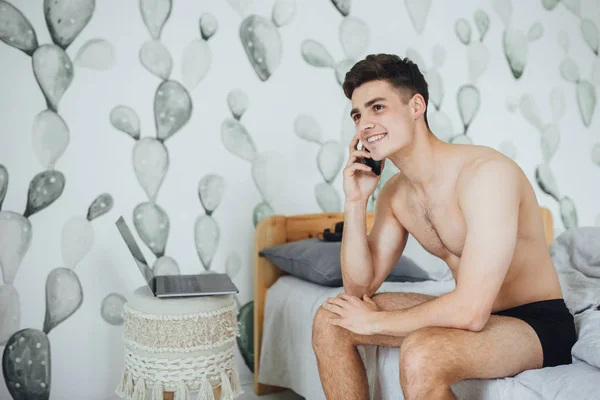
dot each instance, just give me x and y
(284, 307)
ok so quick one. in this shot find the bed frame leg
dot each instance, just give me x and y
(261, 389)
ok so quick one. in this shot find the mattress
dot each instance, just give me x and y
(287, 358)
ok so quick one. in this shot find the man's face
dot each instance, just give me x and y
(383, 122)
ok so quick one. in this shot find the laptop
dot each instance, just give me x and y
(176, 285)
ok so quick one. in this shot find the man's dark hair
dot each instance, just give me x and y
(401, 73)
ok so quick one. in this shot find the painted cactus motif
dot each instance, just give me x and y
(354, 36)
(172, 109)
(515, 42)
(330, 159)
(268, 168)
(260, 36)
(418, 11)
(549, 141)
(26, 365)
(585, 89)
(54, 71)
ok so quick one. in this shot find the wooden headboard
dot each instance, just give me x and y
(279, 229)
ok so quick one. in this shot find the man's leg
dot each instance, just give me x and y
(340, 367)
(432, 359)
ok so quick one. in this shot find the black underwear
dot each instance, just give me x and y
(554, 326)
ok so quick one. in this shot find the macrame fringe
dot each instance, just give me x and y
(231, 388)
(181, 393)
(157, 391)
(120, 390)
(236, 385)
(206, 390)
(226, 391)
(128, 392)
(139, 393)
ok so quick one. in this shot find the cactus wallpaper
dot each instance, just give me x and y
(196, 120)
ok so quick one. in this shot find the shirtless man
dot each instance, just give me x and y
(468, 205)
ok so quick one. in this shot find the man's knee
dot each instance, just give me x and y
(415, 353)
(325, 334)
(322, 329)
(420, 362)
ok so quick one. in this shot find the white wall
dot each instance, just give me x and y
(86, 351)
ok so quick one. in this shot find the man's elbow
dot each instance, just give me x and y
(472, 313)
(476, 321)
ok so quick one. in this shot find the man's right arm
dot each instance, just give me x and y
(367, 260)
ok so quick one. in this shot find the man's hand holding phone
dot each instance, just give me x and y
(359, 179)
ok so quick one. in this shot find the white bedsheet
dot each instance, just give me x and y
(287, 358)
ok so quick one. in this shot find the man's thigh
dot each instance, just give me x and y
(388, 301)
(505, 347)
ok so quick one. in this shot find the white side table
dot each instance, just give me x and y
(180, 345)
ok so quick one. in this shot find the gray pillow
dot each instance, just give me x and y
(318, 261)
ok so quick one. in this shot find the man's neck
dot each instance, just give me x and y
(418, 161)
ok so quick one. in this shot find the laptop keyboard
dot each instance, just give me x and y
(181, 285)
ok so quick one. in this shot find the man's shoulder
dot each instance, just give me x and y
(393, 189)
(394, 184)
(486, 170)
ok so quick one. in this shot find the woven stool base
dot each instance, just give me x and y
(176, 348)
(181, 376)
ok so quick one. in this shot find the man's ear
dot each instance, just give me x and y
(418, 106)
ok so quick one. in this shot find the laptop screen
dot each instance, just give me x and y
(136, 252)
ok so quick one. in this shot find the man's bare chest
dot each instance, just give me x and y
(438, 225)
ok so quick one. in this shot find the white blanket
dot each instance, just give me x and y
(576, 256)
(287, 358)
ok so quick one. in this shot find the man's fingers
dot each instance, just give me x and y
(336, 301)
(360, 153)
(351, 169)
(355, 154)
(332, 308)
(351, 160)
(353, 143)
(347, 297)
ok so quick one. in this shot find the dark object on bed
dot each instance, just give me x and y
(335, 236)
(318, 261)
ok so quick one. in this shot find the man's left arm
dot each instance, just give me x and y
(490, 204)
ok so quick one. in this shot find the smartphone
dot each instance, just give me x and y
(374, 164)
